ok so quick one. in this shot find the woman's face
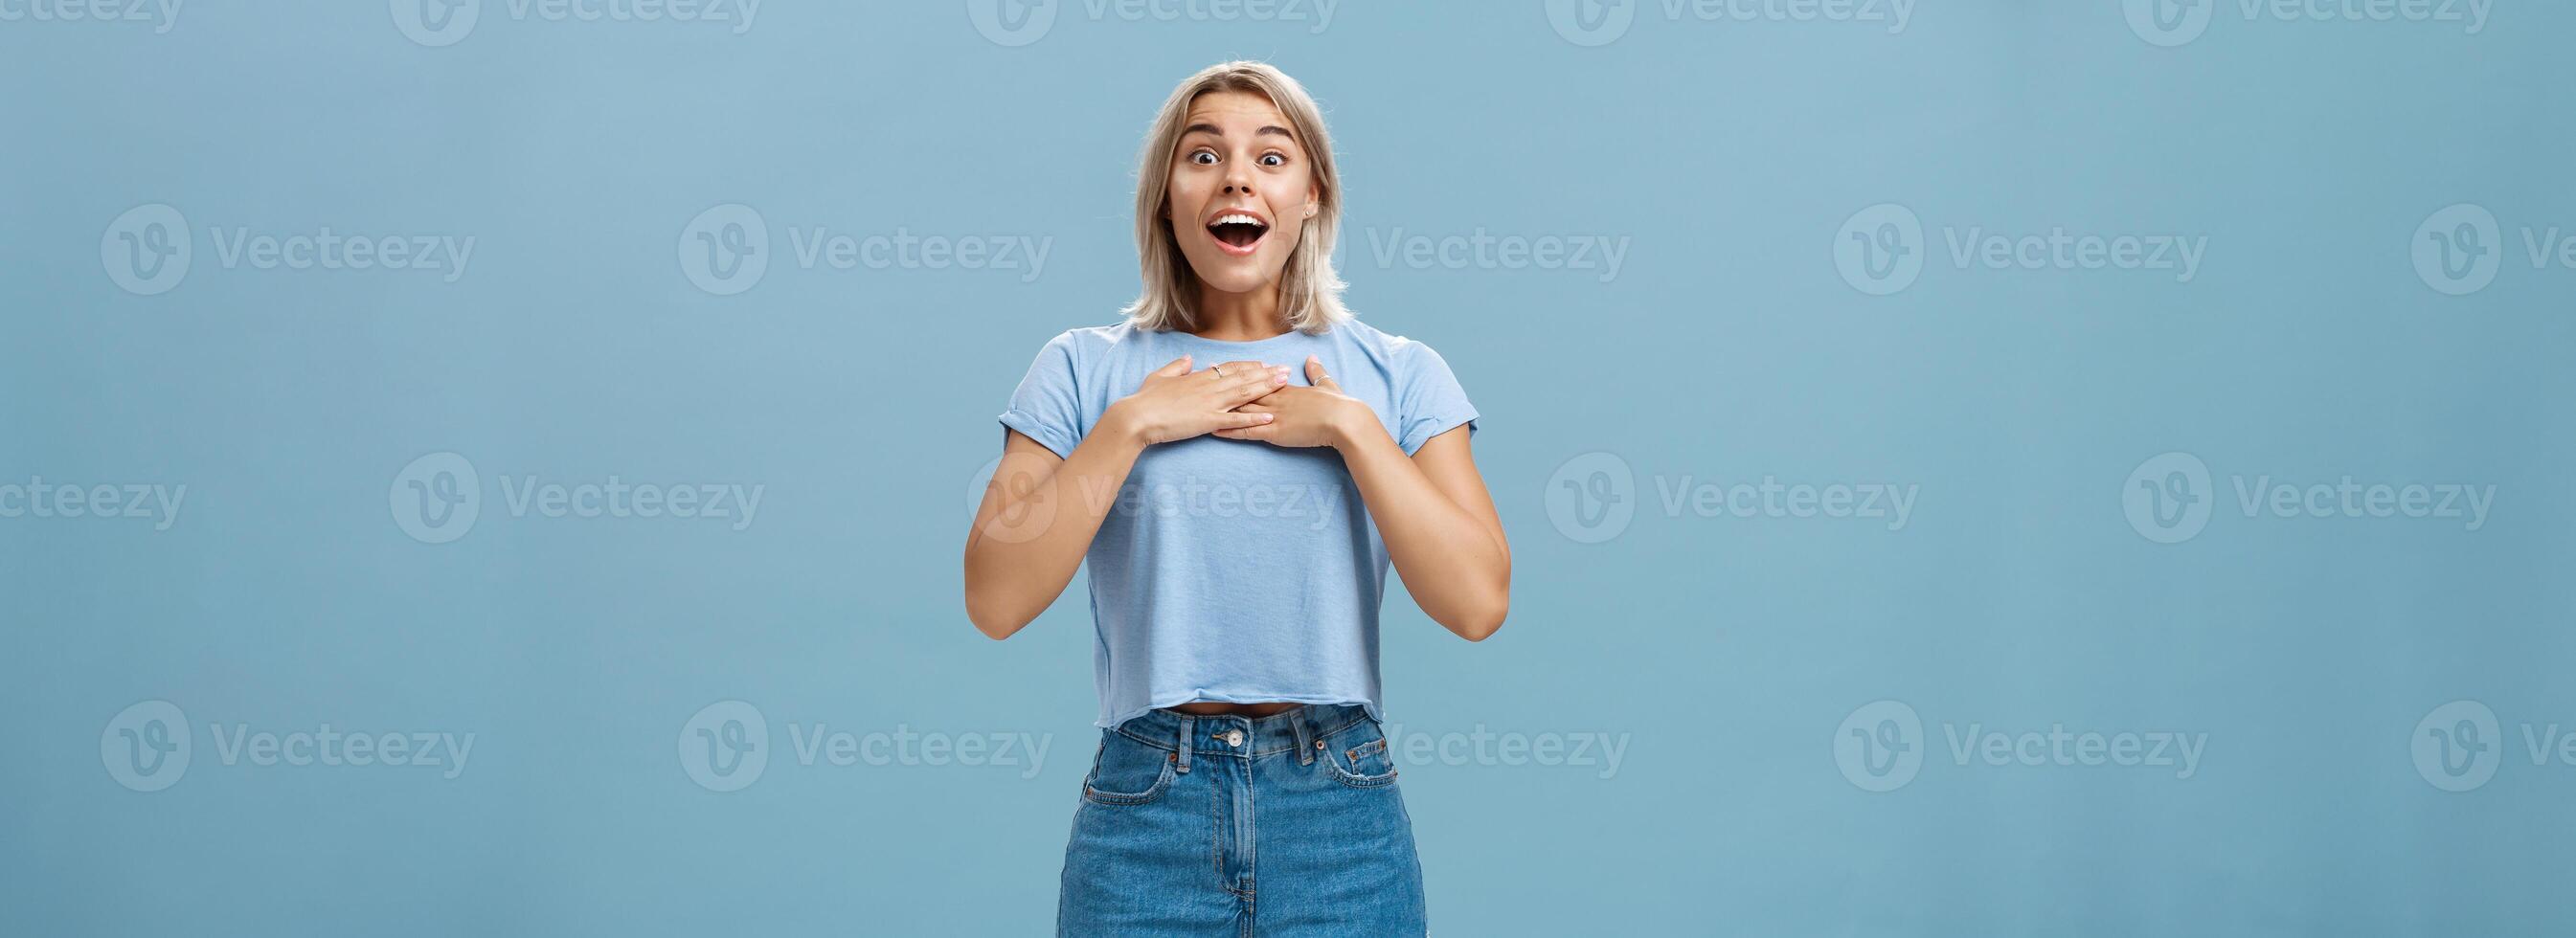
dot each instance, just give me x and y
(1239, 191)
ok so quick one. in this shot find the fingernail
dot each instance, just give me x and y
(1265, 418)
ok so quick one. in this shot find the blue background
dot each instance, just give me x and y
(1725, 651)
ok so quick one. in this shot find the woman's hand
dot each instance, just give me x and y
(1175, 403)
(1309, 416)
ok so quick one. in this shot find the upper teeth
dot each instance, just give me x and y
(1237, 218)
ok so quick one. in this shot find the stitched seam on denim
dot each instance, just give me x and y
(1356, 780)
(1251, 842)
(1327, 734)
(1164, 746)
(1119, 799)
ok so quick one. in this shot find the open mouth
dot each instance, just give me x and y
(1237, 232)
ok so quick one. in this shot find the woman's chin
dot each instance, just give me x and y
(1235, 275)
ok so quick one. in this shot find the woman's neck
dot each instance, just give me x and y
(1239, 317)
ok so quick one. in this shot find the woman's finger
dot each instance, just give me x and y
(1315, 374)
(1260, 382)
(1236, 420)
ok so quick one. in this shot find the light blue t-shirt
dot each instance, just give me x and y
(1236, 570)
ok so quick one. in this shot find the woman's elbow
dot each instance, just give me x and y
(1480, 624)
(996, 624)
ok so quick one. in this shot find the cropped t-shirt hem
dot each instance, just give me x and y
(1159, 703)
(1045, 433)
(1423, 432)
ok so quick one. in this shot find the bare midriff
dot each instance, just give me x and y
(1210, 708)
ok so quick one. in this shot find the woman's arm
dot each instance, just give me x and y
(1036, 521)
(1040, 511)
(1438, 521)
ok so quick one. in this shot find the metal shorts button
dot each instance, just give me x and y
(1234, 737)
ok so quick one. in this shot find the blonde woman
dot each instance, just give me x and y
(1239, 460)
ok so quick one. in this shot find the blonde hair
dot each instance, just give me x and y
(1310, 292)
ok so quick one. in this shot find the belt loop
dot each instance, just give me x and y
(1187, 728)
(1297, 724)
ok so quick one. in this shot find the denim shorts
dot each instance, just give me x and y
(1288, 824)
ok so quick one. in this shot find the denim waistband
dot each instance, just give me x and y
(1294, 730)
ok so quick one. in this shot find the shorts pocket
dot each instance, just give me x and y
(1358, 757)
(1127, 772)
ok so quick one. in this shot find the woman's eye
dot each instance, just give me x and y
(1203, 158)
(1273, 159)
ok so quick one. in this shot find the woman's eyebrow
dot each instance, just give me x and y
(1211, 130)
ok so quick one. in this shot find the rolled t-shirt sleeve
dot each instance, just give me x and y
(1045, 407)
(1433, 403)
